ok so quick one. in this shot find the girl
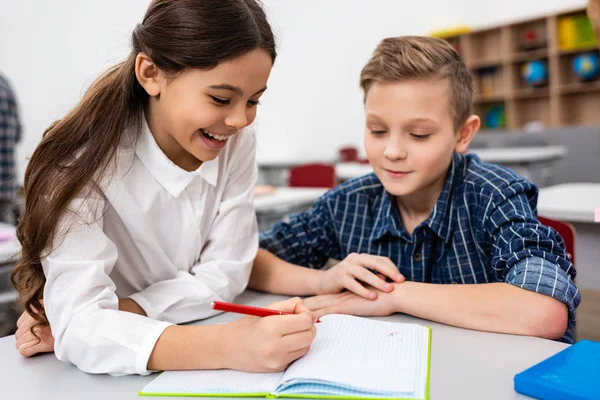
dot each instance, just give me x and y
(139, 205)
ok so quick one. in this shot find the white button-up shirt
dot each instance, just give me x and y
(169, 239)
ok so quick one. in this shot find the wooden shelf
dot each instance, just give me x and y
(529, 55)
(495, 56)
(579, 87)
(495, 98)
(531, 93)
(487, 63)
(579, 50)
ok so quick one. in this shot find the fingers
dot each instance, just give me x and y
(24, 323)
(293, 305)
(23, 318)
(380, 264)
(326, 300)
(350, 283)
(31, 349)
(371, 279)
(299, 340)
(287, 324)
(26, 341)
(294, 355)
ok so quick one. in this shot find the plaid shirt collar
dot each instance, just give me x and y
(389, 221)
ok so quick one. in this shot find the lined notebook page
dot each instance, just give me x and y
(223, 381)
(366, 354)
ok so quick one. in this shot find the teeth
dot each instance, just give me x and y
(214, 136)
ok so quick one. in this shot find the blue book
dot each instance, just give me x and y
(572, 374)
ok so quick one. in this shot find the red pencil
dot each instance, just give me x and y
(247, 310)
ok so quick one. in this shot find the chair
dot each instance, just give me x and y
(566, 230)
(313, 175)
(348, 154)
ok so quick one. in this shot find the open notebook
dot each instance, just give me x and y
(351, 357)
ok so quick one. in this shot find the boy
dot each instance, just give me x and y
(458, 238)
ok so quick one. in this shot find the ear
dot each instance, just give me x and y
(466, 133)
(147, 74)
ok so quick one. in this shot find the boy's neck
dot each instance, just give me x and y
(416, 207)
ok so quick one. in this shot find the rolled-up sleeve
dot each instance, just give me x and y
(528, 254)
(308, 238)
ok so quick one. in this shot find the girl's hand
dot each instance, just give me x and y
(27, 344)
(350, 303)
(352, 274)
(270, 344)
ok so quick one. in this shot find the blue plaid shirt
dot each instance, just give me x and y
(482, 229)
(10, 134)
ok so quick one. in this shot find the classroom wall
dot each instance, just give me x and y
(494, 12)
(51, 51)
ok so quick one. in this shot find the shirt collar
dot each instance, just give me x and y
(440, 220)
(388, 218)
(169, 175)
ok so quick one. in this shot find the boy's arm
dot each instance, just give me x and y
(311, 239)
(273, 275)
(535, 295)
(308, 239)
(492, 307)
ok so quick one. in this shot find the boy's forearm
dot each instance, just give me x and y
(495, 307)
(274, 275)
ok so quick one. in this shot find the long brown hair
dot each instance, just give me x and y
(78, 149)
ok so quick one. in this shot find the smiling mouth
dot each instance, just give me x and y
(214, 136)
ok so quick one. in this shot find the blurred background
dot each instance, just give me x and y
(535, 65)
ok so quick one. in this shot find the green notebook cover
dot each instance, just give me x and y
(351, 358)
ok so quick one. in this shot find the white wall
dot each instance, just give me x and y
(52, 50)
(314, 103)
(480, 13)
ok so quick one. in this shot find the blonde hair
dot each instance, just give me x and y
(419, 57)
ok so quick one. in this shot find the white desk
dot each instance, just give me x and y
(348, 170)
(272, 207)
(285, 197)
(465, 364)
(520, 159)
(520, 155)
(575, 203)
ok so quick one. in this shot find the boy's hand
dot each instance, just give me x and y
(351, 270)
(350, 303)
(270, 344)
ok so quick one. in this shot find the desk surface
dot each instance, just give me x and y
(520, 155)
(465, 364)
(287, 197)
(573, 202)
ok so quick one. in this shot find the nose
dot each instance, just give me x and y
(237, 118)
(394, 150)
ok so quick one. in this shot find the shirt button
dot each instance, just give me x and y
(418, 257)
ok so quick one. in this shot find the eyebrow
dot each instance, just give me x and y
(416, 120)
(234, 89)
